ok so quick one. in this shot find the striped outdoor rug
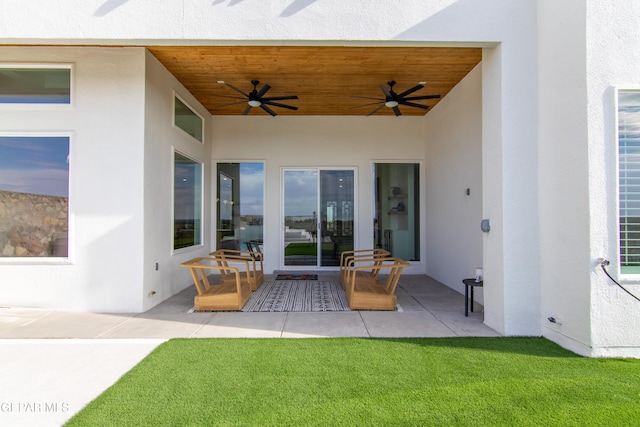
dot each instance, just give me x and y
(298, 296)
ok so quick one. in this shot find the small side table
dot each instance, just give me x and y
(469, 283)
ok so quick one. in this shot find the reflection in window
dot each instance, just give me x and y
(187, 120)
(187, 202)
(35, 85)
(240, 206)
(397, 213)
(629, 180)
(34, 196)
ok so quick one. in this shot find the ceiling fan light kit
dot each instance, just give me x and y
(393, 100)
(256, 98)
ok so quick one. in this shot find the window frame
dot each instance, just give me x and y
(193, 111)
(216, 188)
(199, 245)
(44, 105)
(418, 220)
(625, 275)
(69, 259)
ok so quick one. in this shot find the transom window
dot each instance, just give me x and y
(186, 119)
(31, 85)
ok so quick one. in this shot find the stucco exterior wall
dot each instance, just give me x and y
(162, 139)
(453, 153)
(613, 61)
(106, 126)
(564, 174)
(577, 149)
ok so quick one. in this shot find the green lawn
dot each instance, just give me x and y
(360, 381)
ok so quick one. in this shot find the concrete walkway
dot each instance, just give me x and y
(53, 363)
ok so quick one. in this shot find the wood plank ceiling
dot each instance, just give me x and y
(326, 79)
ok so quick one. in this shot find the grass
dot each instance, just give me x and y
(359, 381)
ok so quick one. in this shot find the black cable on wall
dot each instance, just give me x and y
(603, 264)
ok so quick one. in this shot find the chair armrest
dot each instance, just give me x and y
(199, 264)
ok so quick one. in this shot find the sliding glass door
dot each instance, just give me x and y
(318, 210)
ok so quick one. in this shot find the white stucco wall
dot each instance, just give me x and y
(564, 174)
(453, 153)
(106, 125)
(613, 62)
(120, 21)
(579, 70)
(162, 139)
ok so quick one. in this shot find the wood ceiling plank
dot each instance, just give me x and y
(325, 78)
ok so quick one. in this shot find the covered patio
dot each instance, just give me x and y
(426, 308)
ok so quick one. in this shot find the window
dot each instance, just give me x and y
(35, 85)
(34, 196)
(240, 205)
(187, 202)
(629, 180)
(397, 209)
(186, 119)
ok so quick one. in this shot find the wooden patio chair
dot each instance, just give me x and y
(349, 259)
(254, 274)
(231, 295)
(366, 292)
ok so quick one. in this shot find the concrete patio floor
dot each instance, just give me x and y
(55, 362)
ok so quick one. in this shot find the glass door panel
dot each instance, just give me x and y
(397, 220)
(336, 207)
(300, 217)
(318, 216)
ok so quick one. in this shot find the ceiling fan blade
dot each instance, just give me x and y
(409, 91)
(267, 109)
(233, 103)
(237, 90)
(262, 91)
(416, 98)
(277, 104)
(365, 105)
(280, 98)
(413, 104)
(227, 96)
(396, 110)
(386, 91)
(375, 111)
(367, 97)
(246, 110)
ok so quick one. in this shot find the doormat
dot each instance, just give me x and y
(297, 277)
(298, 296)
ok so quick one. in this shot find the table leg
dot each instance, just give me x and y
(471, 300)
(466, 300)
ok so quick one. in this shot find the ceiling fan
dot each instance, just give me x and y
(393, 99)
(256, 98)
